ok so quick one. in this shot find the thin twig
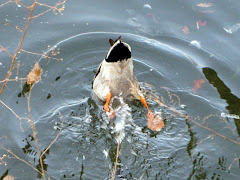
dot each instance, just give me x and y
(18, 117)
(20, 46)
(44, 55)
(10, 1)
(6, 51)
(233, 162)
(13, 79)
(50, 8)
(15, 156)
(117, 155)
(18, 2)
(34, 132)
(55, 137)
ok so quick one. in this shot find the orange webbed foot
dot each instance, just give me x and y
(155, 123)
(110, 113)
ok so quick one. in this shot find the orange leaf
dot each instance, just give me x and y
(197, 84)
(35, 74)
(185, 30)
(155, 123)
(9, 177)
(205, 4)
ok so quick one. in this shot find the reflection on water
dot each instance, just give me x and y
(225, 93)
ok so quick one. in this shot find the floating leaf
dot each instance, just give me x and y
(9, 177)
(197, 84)
(199, 22)
(155, 123)
(185, 30)
(205, 4)
(35, 74)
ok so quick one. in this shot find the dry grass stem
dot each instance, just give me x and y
(17, 79)
(18, 2)
(15, 156)
(59, 7)
(35, 133)
(190, 119)
(16, 26)
(117, 155)
(44, 55)
(55, 137)
(6, 51)
(20, 46)
(10, 1)
(18, 117)
(52, 8)
(236, 159)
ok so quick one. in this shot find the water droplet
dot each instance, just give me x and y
(105, 152)
(196, 43)
(183, 106)
(147, 6)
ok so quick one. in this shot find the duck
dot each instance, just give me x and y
(115, 77)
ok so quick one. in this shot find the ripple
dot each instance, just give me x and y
(88, 134)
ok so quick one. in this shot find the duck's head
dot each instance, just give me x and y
(118, 51)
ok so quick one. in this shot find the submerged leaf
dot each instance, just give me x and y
(35, 74)
(197, 84)
(204, 23)
(185, 30)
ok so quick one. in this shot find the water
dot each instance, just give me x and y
(164, 56)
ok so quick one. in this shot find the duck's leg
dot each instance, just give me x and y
(110, 113)
(106, 106)
(155, 123)
(143, 100)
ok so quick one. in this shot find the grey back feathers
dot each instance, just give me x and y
(115, 74)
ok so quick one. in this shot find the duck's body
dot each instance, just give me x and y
(115, 74)
(115, 77)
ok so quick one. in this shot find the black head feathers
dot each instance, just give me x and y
(119, 51)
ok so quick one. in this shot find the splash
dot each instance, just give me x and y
(123, 117)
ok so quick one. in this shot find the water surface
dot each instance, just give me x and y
(164, 56)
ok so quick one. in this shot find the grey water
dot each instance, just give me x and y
(165, 56)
